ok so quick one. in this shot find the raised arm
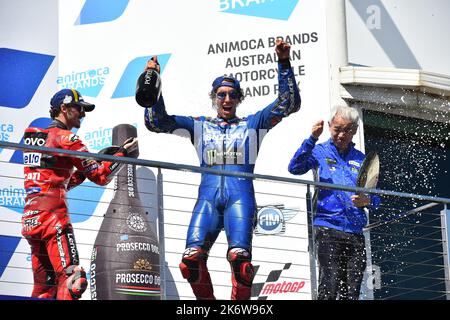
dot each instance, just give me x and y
(304, 159)
(288, 100)
(100, 173)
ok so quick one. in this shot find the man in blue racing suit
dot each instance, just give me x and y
(340, 217)
(226, 143)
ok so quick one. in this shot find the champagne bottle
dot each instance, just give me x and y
(148, 88)
(125, 258)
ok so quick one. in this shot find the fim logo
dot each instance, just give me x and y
(272, 219)
(271, 285)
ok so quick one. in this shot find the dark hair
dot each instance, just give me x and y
(54, 112)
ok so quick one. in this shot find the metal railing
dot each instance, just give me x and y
(405, 243)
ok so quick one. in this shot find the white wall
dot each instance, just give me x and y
(399, 33)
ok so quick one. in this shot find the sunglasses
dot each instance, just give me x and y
(232, 95)
(78, 107)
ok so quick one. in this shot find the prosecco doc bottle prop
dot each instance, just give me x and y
(125, 258)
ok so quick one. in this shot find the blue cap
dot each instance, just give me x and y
(70, 97)
(226, 81)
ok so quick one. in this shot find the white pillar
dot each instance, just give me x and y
(338, 57)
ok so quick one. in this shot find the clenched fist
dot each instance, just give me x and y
(317, 129)
(282, 49)
(152, 64)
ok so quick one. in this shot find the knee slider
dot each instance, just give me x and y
(190, 263)
(242, 267)
(76, 281)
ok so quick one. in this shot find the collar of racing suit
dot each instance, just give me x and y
(223, 122)
(57, 124)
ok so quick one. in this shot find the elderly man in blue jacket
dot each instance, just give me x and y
(340, 217)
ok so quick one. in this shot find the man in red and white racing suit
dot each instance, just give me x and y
(45, 222)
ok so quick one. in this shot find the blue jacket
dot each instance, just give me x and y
(334, 207)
